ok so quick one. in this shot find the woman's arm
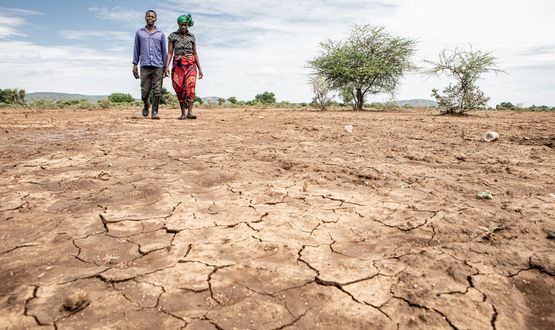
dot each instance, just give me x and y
(200, 75)
(169, 59)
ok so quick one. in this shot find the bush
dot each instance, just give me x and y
(465, 67)
(12, 96)
(104, 104)
(505, 106)
(86, 105)
(120, 98)
(265, 98)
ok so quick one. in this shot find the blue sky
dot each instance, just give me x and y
(249, 46)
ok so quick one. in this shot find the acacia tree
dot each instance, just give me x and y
(265, 98)
(368, 61)
(465, 67)
(322, 97)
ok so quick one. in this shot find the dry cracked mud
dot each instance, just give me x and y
(276, 219)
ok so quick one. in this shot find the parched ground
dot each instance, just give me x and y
(276, 219)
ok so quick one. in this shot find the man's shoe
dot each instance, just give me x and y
(145, 108)
(155, 104)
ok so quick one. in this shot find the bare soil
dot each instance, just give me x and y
(276, 219)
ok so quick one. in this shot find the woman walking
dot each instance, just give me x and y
(182, 48)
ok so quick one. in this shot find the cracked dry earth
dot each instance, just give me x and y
(276, 219)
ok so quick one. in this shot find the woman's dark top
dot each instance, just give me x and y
(182, 43)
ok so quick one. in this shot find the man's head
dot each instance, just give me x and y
(150, 17)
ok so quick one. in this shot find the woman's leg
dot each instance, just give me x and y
(183, 106)
(190, 86)
(178, 83)
(190, 114)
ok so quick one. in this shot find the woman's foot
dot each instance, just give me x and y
(191, 116)
(183, 116)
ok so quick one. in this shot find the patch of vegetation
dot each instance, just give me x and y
(12, 96)
(368, 61)
(120, 98)
(322, 92)
(265, 98)
(465, 67)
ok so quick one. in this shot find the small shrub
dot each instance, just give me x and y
(120, 98)
(104, 104)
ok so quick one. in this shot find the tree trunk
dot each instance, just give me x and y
(359, 99)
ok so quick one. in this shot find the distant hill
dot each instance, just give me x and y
(417, 103)
(62, 96)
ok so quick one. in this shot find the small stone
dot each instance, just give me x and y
(112, 260)
(76, 301)
(484, 195)
(490, 136)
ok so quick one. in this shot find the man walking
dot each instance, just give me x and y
(150, 52)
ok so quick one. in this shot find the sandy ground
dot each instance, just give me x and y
(276, 219)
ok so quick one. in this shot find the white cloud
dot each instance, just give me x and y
(65, 69)
(246, 47)
(18, 11)
(241, 37)
(89, 35)
(10, 21)
(129, 16)
(9, 25)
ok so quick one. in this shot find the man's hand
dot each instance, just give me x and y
(135, 71)
(167, 73)
(200, 75)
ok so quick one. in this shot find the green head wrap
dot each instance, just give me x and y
(185, 19)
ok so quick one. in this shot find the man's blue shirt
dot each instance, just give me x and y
(150, 48)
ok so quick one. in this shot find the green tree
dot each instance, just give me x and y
(198, 100)
(265, 98)
(12, 96)
(368, 61)
(505, 106)
(347, 97)
(232, 100)
(221, 100)
(465, 67)
(120, 98)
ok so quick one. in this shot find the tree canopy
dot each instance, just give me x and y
(120, 98)
(368, 61)
(265, 98)
(465, 67)
(12, 96)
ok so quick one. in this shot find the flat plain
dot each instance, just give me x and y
(276, 219)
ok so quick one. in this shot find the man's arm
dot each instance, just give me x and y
(164, 51)
(136, 55)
